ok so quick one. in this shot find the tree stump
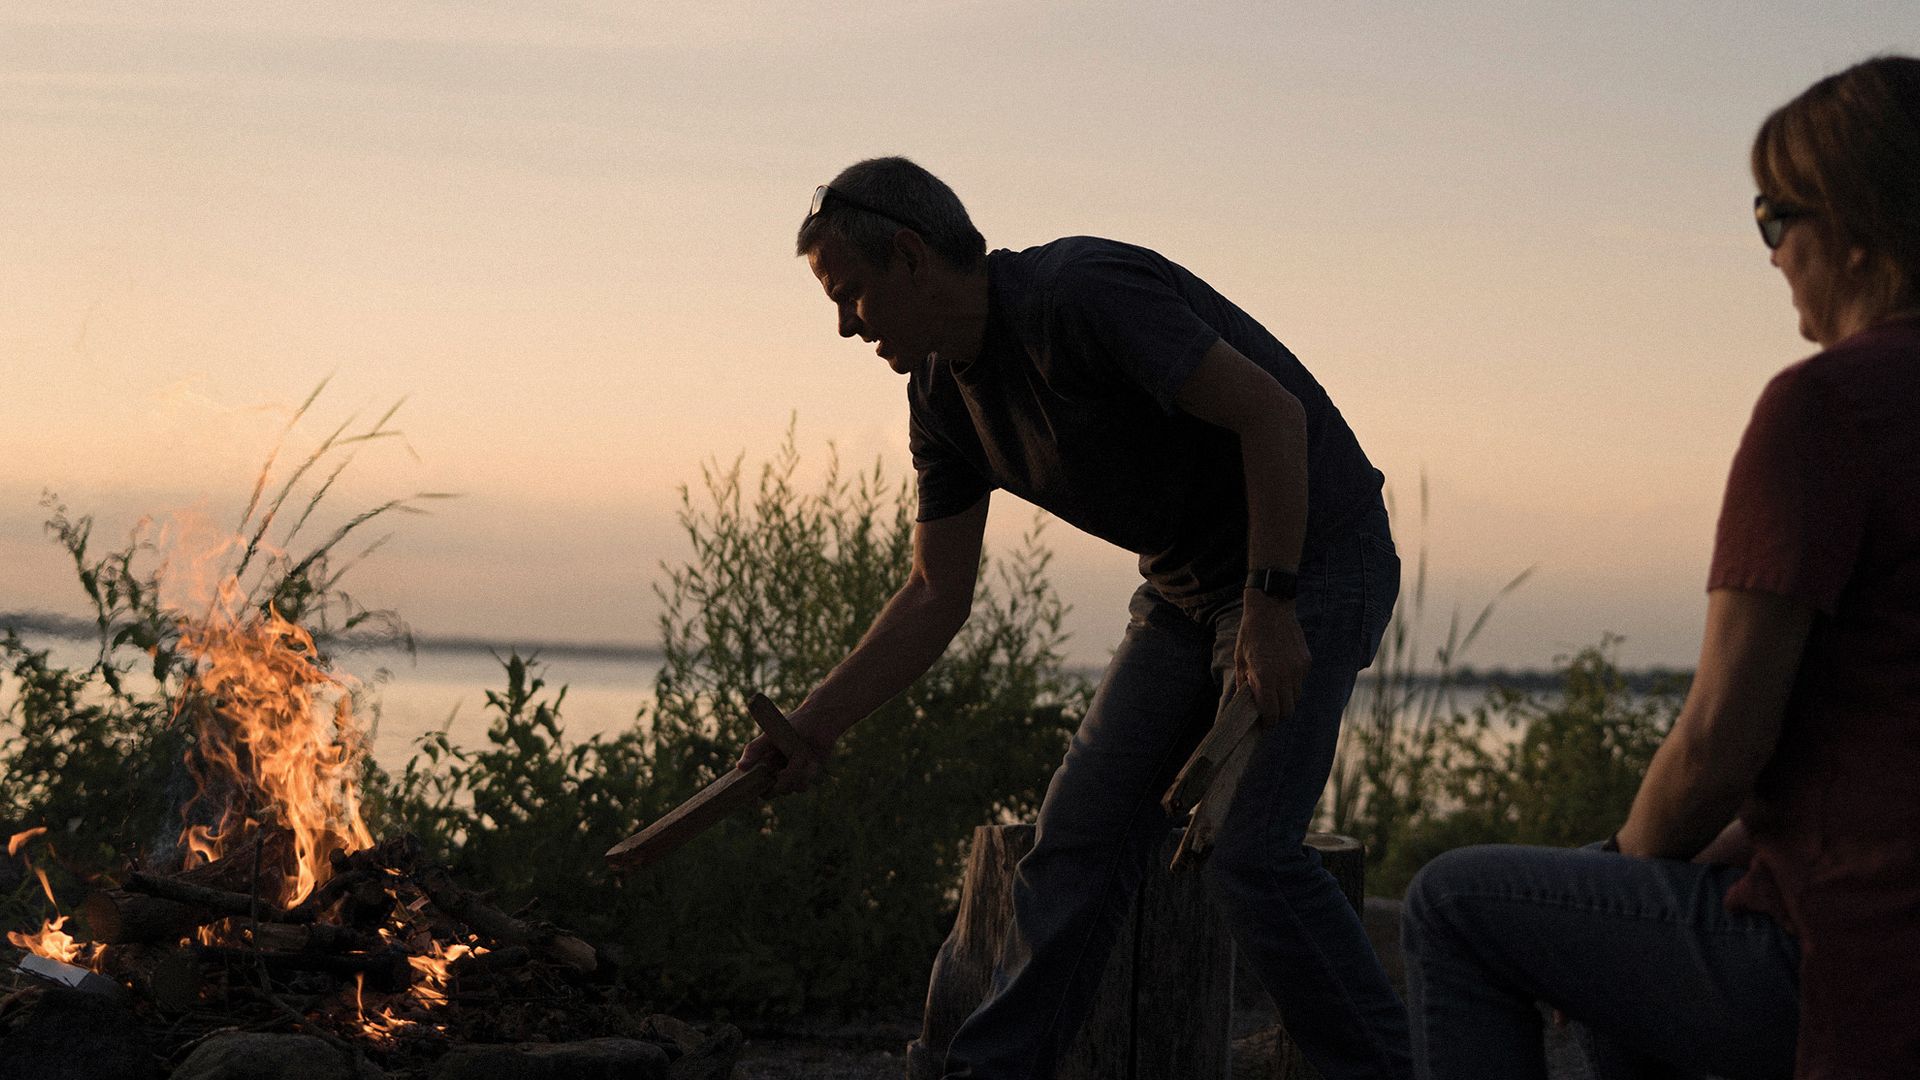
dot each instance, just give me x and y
(1346, 859)
(1164, 1008)
(1165, 1001)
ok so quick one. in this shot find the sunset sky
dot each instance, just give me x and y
(1511, 239)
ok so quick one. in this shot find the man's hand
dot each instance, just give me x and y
(797, 774)
(1270, 655)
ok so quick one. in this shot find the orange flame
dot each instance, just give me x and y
(276, 740)
(53, 941)
(20, 839)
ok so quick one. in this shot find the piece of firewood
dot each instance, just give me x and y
(1239, 716)
(387, 970)
(1211, 812)
(316, 937)
(503, 929)
(118, 917)
(204, 897)
(734, 791)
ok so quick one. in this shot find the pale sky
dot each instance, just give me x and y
(1511, 239)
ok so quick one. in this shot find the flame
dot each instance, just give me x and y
(53, 941)
(20, 839)
(276, 742)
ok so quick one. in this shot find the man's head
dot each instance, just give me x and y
(872, 200)
(895, 249)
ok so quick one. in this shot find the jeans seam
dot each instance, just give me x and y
(1564, 904)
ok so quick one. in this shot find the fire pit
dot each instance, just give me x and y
(275, 926)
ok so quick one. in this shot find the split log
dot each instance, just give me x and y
(168, 976)
(118, 917)
(503, 929)
(206, 898)
(318, 937)
(487, 964)
(269, 850)
(387, 970)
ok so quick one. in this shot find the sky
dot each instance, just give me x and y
(1512, 239)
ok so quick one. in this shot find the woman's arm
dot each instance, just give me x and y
(1728, 728)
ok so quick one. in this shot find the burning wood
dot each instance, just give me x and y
(279, 908)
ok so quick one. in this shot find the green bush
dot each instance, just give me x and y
(1558, 768)
(837, 897)
(1417, 774)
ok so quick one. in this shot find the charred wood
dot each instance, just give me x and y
(503, 929)
(387, 971)
(118, 917)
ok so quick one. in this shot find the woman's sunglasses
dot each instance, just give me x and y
(1772, 218)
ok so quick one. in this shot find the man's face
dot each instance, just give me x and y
(883, 305)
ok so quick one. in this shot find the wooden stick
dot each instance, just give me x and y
(1239, 716)
(737, 789)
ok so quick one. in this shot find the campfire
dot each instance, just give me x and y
(274, 909)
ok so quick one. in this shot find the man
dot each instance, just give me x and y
(1111, 387)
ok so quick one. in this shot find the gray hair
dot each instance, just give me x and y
(893, 192)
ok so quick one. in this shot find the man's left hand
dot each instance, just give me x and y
(1271, 654)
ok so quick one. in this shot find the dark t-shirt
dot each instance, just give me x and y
(1070, 405)
(1823, 506)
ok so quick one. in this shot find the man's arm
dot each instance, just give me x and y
(905, 639)
(1230, 391)
(1728, 728)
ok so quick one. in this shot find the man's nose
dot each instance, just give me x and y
(849, 323)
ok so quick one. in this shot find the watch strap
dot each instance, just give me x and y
(1275, 582)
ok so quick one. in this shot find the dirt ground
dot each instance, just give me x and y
(869, 1050)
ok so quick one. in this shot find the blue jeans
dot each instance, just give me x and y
(1639, 951)
(1101, 824)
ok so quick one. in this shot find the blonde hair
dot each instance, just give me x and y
(1848, 150)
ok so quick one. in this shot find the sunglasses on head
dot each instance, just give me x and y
(827, 191)
(1772, 218)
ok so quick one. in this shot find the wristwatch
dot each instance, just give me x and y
(1275, 582)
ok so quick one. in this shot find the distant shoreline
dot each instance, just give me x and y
(68, 628)
(1642, 681)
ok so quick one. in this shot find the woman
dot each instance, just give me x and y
(1761, 917)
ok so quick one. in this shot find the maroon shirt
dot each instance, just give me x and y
(1823, 506)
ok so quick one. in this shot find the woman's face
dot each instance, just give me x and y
(1816, 270)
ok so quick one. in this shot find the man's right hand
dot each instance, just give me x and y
(795, 774)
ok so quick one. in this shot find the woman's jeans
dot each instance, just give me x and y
(1101, 825)
(1666, 981)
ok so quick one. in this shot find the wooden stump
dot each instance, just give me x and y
(1164, 1008)
(1346, 859)
(1164, 1004)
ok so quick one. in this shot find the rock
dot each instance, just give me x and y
(680, 1037)
(591, 1059)
(713, 1059)
(260, 1056)
(75, 1035)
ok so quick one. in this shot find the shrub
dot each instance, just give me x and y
(836, 897)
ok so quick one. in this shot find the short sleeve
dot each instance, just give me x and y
(1797, 499)
(1117, 311)
(945, 482)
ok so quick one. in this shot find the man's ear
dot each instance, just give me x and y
(908, 246)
